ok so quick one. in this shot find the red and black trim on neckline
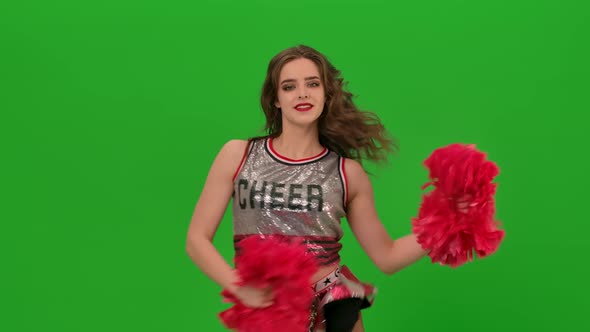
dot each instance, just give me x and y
(288, 161)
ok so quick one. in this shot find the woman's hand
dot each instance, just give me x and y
(254, 297)
(464, 203)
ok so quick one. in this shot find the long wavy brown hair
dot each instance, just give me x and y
(343, 128)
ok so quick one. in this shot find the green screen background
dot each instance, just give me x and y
(112, 112)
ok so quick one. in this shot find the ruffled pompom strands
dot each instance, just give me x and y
(457, 219)
(285, 267)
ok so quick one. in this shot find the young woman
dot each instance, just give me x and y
(299, 181)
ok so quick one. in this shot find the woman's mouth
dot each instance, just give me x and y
(303, 107)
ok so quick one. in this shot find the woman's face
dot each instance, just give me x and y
(300, 95)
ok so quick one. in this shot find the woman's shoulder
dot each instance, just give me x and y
(233, 150)
(234, 145)
(239, 145)
(352, 167)
(230, 156)
(356, 177)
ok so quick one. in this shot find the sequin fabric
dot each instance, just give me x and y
(305, 199)
(299, 199)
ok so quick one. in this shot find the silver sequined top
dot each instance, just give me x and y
(302, 199)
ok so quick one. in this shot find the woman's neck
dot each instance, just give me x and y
(298, 143)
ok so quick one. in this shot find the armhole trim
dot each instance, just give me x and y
(243, 161)
(343, 180)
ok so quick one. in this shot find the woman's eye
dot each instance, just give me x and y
(287, 87)
(314, 84)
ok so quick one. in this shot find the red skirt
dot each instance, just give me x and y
(338, 285)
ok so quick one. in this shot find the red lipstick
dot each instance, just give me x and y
(303, 107)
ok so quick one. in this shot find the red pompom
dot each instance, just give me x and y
(287, 268)
(452, 233)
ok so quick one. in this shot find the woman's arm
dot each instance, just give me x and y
(388, 255)
(208, 213)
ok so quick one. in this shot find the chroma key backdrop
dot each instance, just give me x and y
(111, 113)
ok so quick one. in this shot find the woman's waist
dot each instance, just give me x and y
(324, 274)
(324, 249)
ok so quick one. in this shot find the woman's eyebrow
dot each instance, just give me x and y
(307, 79)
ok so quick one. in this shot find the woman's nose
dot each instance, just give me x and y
(303, 94)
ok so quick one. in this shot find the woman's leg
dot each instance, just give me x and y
(358, 327)
(343, 315)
